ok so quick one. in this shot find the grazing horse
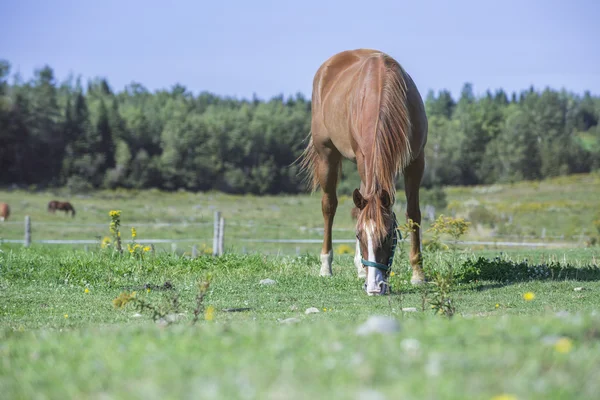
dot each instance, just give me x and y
(4, 211)
(367, 109)
(61, 206)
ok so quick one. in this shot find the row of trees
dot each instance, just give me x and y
(59, 134)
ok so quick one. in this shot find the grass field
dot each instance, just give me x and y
(62, 337)
(526, 323)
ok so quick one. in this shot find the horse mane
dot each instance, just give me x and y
(391, 151)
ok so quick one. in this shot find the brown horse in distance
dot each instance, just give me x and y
(367, 109)
(61, 206)
(4, 211)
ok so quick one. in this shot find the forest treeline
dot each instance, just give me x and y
(90, 136)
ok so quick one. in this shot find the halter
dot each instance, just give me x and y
(394, 233)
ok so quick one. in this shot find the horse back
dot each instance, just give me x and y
(347, 101)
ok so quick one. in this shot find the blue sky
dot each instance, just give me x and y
(238, 48)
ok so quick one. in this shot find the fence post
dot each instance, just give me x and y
(194, 251)
(221, 235)
(215, 249)
(27, 241)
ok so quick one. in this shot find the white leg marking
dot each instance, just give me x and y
(362, 273)
(374, 276)
(326, 260)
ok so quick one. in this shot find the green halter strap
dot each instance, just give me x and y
(384, 267)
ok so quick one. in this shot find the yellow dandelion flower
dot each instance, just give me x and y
(563, 345)
(86, 290)
(497, 305)
(148, 290)
(344, 249)
(66, 315)
(105, 242)
(114, 213)
(392, 273)
(529, 296)
(147, 248)
(324, 309)
(209, 313)
(504, 397)
(133, 233)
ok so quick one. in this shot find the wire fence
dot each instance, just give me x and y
(219, 237)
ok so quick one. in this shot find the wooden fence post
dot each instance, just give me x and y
(221, 235)
(27, 241)
(215, 249)
(194, 251)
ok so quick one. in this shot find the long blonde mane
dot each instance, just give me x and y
(391, 151)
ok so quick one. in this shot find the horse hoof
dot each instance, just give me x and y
(326, 273)
(418, 281)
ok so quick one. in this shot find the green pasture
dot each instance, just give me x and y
(61, 335)
(525, 323)
(559, 210)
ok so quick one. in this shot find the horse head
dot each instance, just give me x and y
(376, 236)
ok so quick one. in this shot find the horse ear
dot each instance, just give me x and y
(386, 200)
(359, 200)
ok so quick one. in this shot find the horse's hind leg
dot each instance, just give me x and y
(412, 181)
(327, 170)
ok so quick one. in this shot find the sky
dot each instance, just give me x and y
(240, 48)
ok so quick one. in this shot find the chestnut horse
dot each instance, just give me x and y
(61, 206)
(367, 109)
(4, 211)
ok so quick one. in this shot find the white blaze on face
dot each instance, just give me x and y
(374, 275)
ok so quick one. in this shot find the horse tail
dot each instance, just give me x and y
(308, 163)
(391, 147)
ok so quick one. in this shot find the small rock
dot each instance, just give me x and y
(370, 394)
(409, 309)
(267, 282)
(550, 340)
(410, 345)
(136, 315)
(578, 289)
(172, 318)
(162, 322)
(311, 310)
(378, 324)
(289, 321)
